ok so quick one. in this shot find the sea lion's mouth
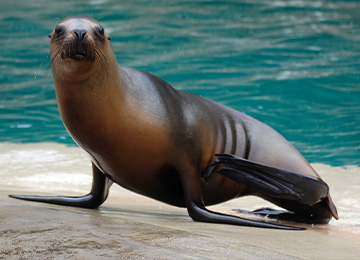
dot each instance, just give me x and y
(77, 54)
(78, 51)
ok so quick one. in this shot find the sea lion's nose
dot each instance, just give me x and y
(80, 34)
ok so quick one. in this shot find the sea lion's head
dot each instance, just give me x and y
(78, 44)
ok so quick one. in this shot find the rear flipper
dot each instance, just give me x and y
(193, 194)
(306, 196)
(319, 213)
(200, 213)
(99, 192)
(271, 213)
(305, 217)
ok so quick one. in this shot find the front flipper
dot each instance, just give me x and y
(272, 181)
(99, 192)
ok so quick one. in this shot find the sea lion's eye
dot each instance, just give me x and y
(59, 30)
(101, 31)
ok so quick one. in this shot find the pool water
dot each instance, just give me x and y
(291, 64)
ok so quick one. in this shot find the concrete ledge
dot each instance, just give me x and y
(129, 226)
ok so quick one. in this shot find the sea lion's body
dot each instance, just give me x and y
(142, 145)
(160, 142)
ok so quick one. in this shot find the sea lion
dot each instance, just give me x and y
(168, 144)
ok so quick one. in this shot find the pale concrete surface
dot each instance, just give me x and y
(129, 226)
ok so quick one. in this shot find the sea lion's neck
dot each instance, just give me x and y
(90, 78)
(85, 103)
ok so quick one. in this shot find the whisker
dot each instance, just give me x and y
(37, 73)
(103, 60)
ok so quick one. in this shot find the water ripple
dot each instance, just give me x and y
(293, 64)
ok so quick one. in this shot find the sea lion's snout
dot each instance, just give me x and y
(78, 46)
(80, 50)
(80, 34)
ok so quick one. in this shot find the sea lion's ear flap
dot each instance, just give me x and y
(51, 34)
(107, 36)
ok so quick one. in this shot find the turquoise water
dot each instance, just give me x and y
(291, 64)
